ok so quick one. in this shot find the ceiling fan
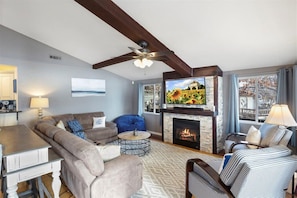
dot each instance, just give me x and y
(144, 57)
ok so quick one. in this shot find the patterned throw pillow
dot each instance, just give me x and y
(76, 128)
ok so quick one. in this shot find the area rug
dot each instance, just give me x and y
(164, 170)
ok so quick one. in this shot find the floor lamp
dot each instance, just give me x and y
(281, 115)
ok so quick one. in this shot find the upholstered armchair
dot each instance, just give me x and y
(267, 135)
(262, 173)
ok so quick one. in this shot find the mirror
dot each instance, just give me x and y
(8, 87)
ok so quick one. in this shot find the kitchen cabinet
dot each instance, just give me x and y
(8, 119)
(6, 87)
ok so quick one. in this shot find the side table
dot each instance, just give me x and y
(26, 156)
(135, 144)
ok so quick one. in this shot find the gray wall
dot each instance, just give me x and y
(40, 75)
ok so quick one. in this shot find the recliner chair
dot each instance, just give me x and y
(270, 135)
(264, 173)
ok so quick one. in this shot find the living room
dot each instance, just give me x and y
(259, 39)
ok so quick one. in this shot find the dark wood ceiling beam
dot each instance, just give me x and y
(113, 15)
(116, 60)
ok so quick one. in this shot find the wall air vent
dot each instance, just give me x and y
(55, 57)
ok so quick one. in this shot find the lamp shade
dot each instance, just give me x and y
(280, 115)
(39, 102)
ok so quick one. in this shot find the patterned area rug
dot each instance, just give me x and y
(164, 170)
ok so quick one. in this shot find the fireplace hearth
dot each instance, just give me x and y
(186, 133)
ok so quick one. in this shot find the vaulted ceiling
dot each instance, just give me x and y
(231, 34)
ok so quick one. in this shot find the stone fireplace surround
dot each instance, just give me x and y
(206, 128)
(210, 115)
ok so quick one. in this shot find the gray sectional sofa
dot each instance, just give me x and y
(83, 169)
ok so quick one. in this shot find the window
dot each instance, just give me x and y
(256, 96)
(152, 98)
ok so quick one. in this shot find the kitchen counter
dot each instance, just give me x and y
(9, 111)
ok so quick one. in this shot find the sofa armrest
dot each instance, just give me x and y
(122, 177)
(235, 135)
(110, 124)
(206, 172)
(244, 143)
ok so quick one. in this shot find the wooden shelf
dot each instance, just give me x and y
(189, 111)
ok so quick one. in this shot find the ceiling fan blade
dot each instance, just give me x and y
(136, 51)
(158, 54)
(115, 60)
(160, 58)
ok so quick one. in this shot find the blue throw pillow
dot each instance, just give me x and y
(225, 160)
(76, 128)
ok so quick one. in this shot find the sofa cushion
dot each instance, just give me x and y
(103, 133)
(83, 150)
(238, 159)
(86, 119)
(48, 129)
(266, 129)
(99, 122)
(273, 137)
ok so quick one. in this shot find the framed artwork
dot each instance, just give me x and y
(82, 87)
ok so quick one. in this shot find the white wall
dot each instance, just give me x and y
(40, 75)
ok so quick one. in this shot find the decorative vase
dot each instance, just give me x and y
(135, 133)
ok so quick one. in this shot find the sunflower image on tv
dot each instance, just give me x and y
(190, 91)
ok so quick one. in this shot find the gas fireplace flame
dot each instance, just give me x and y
(186, 133)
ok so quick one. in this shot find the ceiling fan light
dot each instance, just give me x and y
(138, 63)
(142, 63)
(147, 62)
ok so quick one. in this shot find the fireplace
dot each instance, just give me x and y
(186, 132)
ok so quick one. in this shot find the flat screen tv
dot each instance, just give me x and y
(187, 91)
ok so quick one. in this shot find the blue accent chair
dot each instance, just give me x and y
(130, 122)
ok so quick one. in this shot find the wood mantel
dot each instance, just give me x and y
(190, 111)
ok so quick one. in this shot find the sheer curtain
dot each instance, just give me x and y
(233, 105)
(287, 93)
(140, 99)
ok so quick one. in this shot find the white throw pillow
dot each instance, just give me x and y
(253, 136)
(60, 124)
(109, 152)
(98, 122)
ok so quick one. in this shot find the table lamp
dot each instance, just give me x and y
(40, 103)
(280, 115)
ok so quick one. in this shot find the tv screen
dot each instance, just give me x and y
(189, 91)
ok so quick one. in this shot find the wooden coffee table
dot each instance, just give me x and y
(138, 144)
